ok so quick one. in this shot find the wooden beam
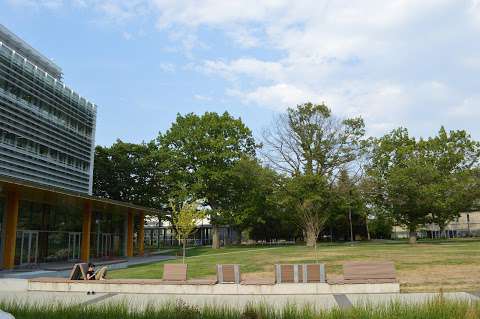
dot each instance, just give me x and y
(86, 229)
(130, 233)
(141, 234)
(13, 199)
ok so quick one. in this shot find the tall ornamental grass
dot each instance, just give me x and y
(438, 308)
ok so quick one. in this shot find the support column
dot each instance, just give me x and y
(11, 215)
(130, 234)
(141, 234)
(86, 229)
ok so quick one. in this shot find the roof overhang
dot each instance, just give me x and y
(55, 196)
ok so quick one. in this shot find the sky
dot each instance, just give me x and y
(396, 63)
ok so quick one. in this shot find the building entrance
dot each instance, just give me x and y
(106, 245)
(74, 244)
(27, 240)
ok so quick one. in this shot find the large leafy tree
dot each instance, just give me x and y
(312, 146)
(456, 158)
(127, 172)
(199, 154)
(424, 180)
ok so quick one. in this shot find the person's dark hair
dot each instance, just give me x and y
(91, 265)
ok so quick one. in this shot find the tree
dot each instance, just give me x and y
(455, 155)
(310, 199)
(126, 172)
(251, 187)
(424, 180)
(184, 221)
(311, 146)
(308, 139)
(200, 151)
(350, 206)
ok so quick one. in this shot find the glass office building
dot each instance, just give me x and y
(46, 129)
(47, 138)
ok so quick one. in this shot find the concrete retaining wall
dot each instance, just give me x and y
(11, 284)
(218, 289)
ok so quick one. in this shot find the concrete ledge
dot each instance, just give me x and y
(146, 287)
(11, 284)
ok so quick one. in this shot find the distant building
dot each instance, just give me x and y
(157, 236)
(467, 225)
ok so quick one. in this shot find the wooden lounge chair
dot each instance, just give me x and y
(228, 274)
(300, 273)
(101, 274)
(368, 272)
(79, 272)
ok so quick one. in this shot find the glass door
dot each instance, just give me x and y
(106, 245)
(28, 246)
(74, 245)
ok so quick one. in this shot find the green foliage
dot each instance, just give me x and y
(126, 172)
(310, 145)
(253, 190)
(200, 152)
(424, 180)
(381, 226)
(185, 220)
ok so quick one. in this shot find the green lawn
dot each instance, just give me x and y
(428, 266)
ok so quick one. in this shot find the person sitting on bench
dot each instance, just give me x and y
(91, 272)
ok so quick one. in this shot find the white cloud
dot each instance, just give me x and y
(167, 67)
(251, 67)
(37, 4)
(395, 62)
(469, 108)
(277, 97)
(204, 98)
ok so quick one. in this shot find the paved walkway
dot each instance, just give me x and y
(63, 270)
(140, 301)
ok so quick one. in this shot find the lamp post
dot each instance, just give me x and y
(350, 215)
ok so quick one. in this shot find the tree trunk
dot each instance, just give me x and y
(184, 249)
(310, 238)
(412, 239)
(366, 228)
(215, 237)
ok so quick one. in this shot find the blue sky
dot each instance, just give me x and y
(395, 63)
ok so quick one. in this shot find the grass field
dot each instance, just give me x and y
(450, 265)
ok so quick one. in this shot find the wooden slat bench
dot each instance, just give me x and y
(367, 273)
(228, 274)
(300, 273)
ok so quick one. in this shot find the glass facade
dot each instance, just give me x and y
(47, 233)
(107, 235)
(51, 233)
(46, 129)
